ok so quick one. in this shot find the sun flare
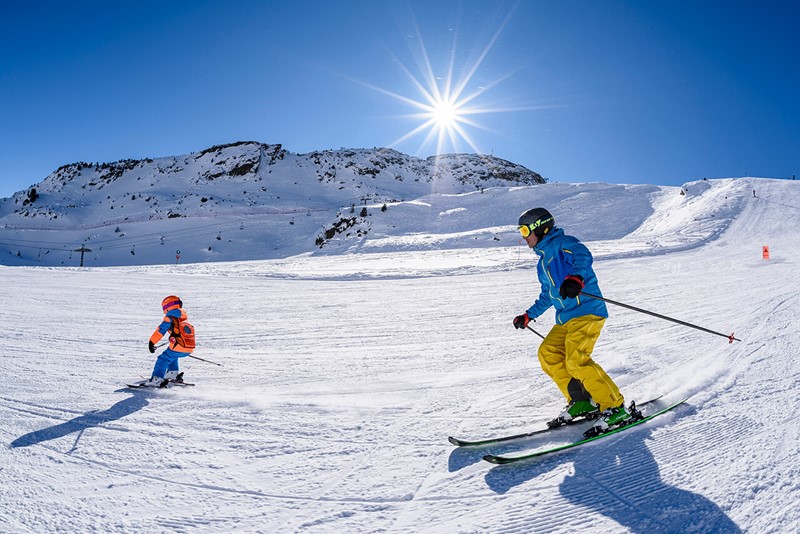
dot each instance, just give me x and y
(446, 102)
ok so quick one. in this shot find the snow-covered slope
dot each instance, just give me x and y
(344, 374)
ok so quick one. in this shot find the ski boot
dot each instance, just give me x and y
(174, 376)
(155, 382)
(614, 418)
(584, 409)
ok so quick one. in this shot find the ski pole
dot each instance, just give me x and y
(534, 331)
(730, 338)
(202, 360)
(190, 355)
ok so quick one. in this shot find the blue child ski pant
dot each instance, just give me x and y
(167, 361)
(566, 354)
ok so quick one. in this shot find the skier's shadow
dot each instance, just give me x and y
(621, 480)
(91, 419)
(461, 457)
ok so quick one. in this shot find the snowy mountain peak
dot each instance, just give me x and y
(230, 184)
(181, 185)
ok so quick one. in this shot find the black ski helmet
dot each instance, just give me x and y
(538, 220)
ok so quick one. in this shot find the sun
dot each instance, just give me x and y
(445, 115)
(446, 103)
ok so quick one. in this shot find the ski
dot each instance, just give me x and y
(491, 441)
(501, 460)
(140, 385)
(173, 383)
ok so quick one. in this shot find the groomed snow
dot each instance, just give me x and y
(343, 375)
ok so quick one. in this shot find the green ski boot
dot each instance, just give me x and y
(584, 409)
(610, 418)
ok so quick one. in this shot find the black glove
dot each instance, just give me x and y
(151, 347)
(571, 286)
(521, 321)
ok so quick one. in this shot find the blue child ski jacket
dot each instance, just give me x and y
(561, 255)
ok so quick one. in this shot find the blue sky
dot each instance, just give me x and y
(612, 91)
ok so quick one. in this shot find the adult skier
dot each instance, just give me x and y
(181, 343)
(564, 269)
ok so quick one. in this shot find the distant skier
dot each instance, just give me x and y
(564, 269)
(181, 343)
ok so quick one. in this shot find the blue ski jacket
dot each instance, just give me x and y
(561, 255)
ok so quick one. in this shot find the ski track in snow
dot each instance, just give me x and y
(343, 376)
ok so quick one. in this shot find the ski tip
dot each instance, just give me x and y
(497, 460)
(454, 441)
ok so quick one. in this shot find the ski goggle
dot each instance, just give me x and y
(171, 304)
(528, 229)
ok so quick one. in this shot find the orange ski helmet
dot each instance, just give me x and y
(171, 302)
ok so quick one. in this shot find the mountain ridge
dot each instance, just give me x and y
(372, 173)
(294, 203)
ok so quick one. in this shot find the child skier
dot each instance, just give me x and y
(181, 343)
(564, 269)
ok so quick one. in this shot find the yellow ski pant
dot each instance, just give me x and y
(566, 353)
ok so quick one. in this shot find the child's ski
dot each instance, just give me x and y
(171, 383)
